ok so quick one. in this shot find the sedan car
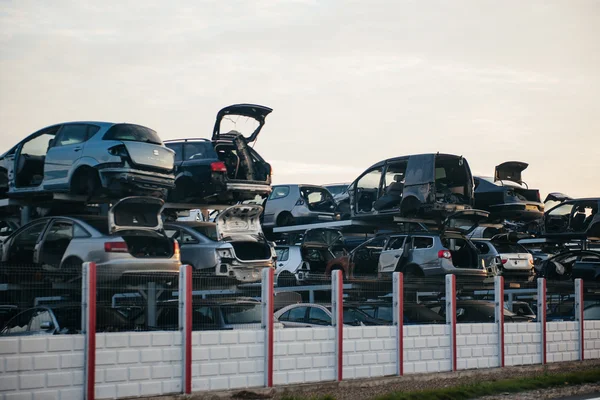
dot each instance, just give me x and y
(63, 319)
(573, 219)
(298, 204)
(88, 158)
(225, 169)
(429, 185)
(506, 196)
(232, 246)
(477, 311)
(306, 315)
(129, 241)
(515, 260)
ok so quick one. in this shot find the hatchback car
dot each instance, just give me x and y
(506, 196)
(224, 169)
(307, 315)
(89, 158)
(429, 185)
(129, 241)
(573, 219)
(292, 269)
(298, 204)
(515, 260)
(63, 319)
(232, 246)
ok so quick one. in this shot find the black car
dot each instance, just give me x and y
(63, 319)
(477, 311)
(224, 169)
(573, 219)
(414, 314)
(506, 196)
(429, 185)
(572, 264)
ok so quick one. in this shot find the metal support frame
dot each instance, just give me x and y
(579, 306)
(398, 307)
(267, 321)
(337, 311)
(88, 327)
(499, 305)
(185, 326)
(451, 316)
(541, 314)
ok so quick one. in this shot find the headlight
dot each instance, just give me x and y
(225, 253)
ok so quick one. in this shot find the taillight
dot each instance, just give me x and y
(300, 202)
(119, 151)
(445, 254)
(504, 261)
(531, 261)
(115, 247)
(218, 166)
(176, 252)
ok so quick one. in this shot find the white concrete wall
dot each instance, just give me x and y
(42, 367)
(137, 364)
(562, 341)
(369, 351)
(303, 355)
(522, 343)
(591, 339)
(224, 360)
(477, 346)
(426, 348)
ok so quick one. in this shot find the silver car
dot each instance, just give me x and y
(89, 158)
(233, 246)
(130, 241)
(298, 204)
(515, 259)
(291, 267)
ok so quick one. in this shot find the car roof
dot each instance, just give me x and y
(187, 140)
(406, 157)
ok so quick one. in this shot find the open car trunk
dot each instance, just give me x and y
(240, 163)
(320, 246)
(240, 226)
(147, 244)
(510, 171)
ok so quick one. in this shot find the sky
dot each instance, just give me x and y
(350, 82)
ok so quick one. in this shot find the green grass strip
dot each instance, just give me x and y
(472, 391)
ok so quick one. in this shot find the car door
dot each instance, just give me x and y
(21, 248)
(365, 258)
(391, 254)
(365, 191)
(52, 247)
(295, 318)
(557, 219)
(64, 152)
(318, 317)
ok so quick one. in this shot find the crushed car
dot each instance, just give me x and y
(88, 158)
(572, 264)
(233, 246)
(224, 169)
(573, 219)
(506, 195)
(422, 185)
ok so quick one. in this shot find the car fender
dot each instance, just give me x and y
(82, 162)
(184, 174)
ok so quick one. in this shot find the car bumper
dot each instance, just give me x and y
(113, 270)
(242, 271)
(126, 177)
(246, 187)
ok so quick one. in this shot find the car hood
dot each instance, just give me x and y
(510, 171)
(232, 113)
(240, 220)
(136, 212)
(464, 221)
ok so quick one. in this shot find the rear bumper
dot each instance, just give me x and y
(242, 271)
(256, 188)
(127, 177)
(113, 270)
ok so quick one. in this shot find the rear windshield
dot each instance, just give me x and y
(210, 231)
(509, 248)
(132, 133)
(199, 151)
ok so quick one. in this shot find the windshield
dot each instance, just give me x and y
(509, 248)
(337, 189)
(354, 315)
(210, 231)
(242, 313)
(132, 133)
(233, 123)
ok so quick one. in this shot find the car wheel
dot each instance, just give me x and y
(285, 219)
(86, 182)
(286, 279)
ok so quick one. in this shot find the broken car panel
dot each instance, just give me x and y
(573, 219)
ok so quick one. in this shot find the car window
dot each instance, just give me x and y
(178, 149)
(198, 151)
(132, 133)
(422, 242)
(23, 244)
(279, 192)
(38, 146)
(80, 232)
(283, 253)
(39, 318)
(285, 316)
(19, 324)
(369, 310)
(564, 210)
(396, 243)
(59, 230)
(186, 238)
(297, 314)
(172, 233)
(337, 189)
(318, 316)
(74, 134)
(210, 231)
(394, 173)
(509, 248)
(242, 313)
(482, 247)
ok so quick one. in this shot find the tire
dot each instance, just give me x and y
(181, 190)
(413, 271)
(86, 182)
(285, 219)
(410, 207)
(286, 279)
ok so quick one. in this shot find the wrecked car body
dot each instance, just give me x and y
(422, 185)
(573, 219)
(224, 169)
(506, 196)
(88, 158)
(572, 264)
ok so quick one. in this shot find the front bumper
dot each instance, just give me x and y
(120, 178)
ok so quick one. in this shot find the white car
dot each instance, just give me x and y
(291, 268)
(516, 260)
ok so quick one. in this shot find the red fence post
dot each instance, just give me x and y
(267, 299)
(451, 315)
(541, 304)
(499, 302)
(185, 325)
(337, 310)
(88, 320)
(398, 292)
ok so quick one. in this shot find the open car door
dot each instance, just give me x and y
(464, 221)
(241, 119)
(136, 212)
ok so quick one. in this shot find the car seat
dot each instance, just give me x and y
(577, 223)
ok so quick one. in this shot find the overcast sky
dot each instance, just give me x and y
(350, 82)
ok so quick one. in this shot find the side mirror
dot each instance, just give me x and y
(46, 325)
